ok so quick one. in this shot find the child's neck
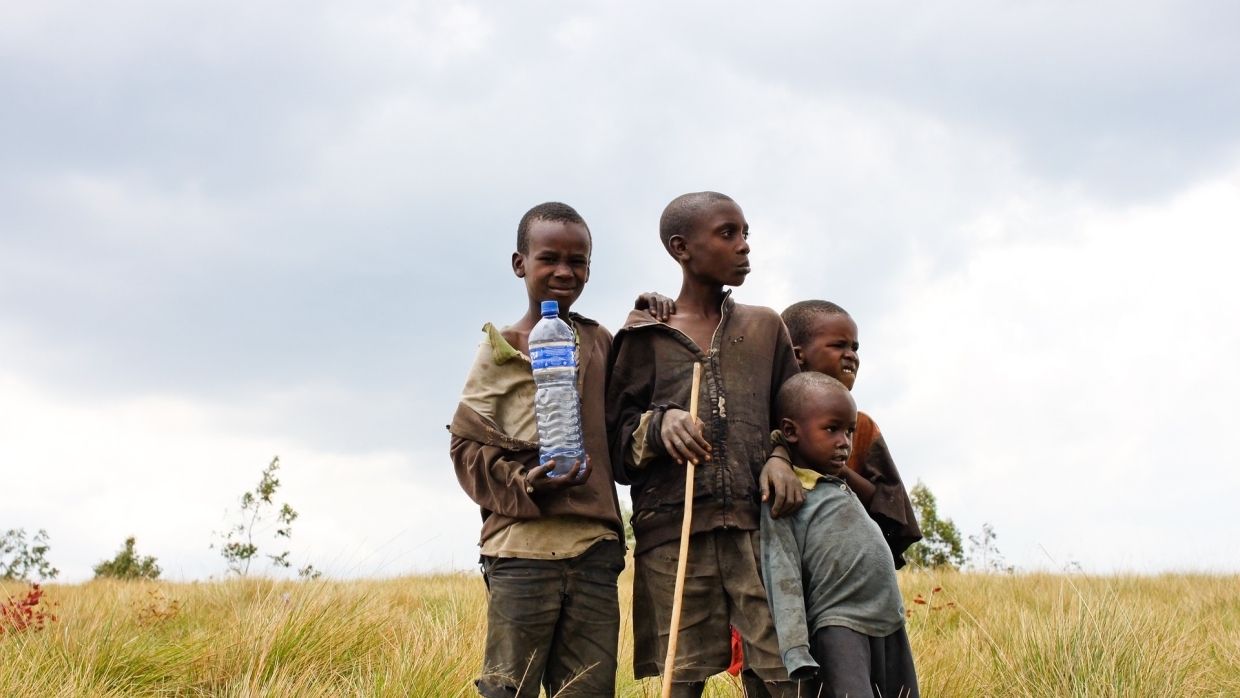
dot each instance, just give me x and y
(803, 464)
(518, 333)
(700, 297)
(698, 311)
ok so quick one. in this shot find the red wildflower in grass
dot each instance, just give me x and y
(26, 612)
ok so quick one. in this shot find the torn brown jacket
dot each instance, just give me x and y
(750, 357)
(490, 464)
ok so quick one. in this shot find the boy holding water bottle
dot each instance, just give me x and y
(552, 544)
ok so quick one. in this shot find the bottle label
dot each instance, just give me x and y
(553, 355)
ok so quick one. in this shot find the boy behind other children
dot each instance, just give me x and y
(828, 570)
(551, 546)
(824, 337)
(745, 355)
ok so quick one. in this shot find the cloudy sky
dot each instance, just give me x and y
(235, 230)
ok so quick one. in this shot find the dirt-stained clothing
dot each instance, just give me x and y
(550, 561)
(490, 464)
(750, 357)
(722, 588)
(552, 624)
(652, 370)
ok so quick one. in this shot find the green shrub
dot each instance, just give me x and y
(128, 564)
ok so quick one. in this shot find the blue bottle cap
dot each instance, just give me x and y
(550, 308)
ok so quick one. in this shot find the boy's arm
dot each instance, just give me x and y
(494, 477)
(777, 483)
(781, 572)
(630, 416)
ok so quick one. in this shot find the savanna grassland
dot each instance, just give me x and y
(1029, 635)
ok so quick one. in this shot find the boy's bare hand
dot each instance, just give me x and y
(659, 306)
(682, 439)
(538, 479)
(780, 486)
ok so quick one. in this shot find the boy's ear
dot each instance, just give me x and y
(518, 264)
(796, 351)
(789, 428)
(678, 248)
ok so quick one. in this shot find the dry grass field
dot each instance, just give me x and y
(980, 635)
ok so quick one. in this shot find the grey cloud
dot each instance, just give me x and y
(326, 194)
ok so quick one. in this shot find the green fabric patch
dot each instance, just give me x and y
(501, 350)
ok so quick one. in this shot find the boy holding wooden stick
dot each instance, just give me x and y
(746, 356)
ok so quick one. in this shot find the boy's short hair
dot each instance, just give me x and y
(791, 399)
(550, 211)
(678, 217)
(799, 318)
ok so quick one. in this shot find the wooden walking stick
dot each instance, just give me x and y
(669, 664)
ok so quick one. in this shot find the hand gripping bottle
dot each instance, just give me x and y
(557, 406)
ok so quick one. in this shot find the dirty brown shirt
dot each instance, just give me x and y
(491, 463)
(651, 371)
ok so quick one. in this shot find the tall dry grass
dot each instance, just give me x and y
(980, 635)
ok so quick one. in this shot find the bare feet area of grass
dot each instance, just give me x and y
(1031, 635)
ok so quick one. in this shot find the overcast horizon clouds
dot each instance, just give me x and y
(234, 230)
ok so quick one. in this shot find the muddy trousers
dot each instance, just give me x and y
(552, 624)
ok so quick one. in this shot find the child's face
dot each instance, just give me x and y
(557, 266)
(717, 248)
(832, 349)
(822, 435)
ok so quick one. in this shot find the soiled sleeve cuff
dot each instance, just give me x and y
(799, 663)
(640, 452)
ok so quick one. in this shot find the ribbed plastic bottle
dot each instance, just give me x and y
(557, 405)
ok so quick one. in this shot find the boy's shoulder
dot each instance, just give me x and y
(590, 331)
(865, 421)
(756, 314)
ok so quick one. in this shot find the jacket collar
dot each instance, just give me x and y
(502, 352)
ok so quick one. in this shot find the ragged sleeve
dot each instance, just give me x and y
(630, 384)
(784, 367)
(785, 592)
(492, 476)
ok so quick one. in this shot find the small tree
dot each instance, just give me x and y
(239, 544)
(940, 545)
(20, 560)
(128, 564)
(984, 553)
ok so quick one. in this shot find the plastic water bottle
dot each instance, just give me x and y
(557, 405)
